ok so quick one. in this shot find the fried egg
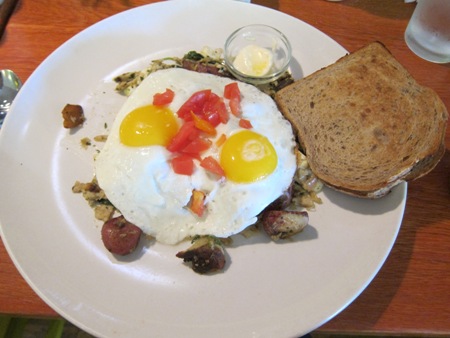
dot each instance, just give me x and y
(134, 166)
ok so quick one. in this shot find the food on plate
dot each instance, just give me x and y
(208, 61)
(96, 198)
(85, 142)
(184, 141)
(120, 236)
(206, 254)
(306, 185)
(153, 175)
(364, 123)
(73, 116)
(282, 224)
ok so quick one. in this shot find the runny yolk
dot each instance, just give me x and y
(248, 157)
(148, 125)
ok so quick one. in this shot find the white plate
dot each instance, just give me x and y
(267, 290)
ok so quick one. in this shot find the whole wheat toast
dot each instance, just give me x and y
(365, 124)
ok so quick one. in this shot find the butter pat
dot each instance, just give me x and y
(253, 60)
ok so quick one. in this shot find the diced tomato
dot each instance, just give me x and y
(201, 113)
(210, 164)
(197, 202)
(183, 165)
(185, 135)
(215, 111)
(203, 125)
(235, 107)
(212, 118)
(197, 146)
(221, 140)
(162, 99)
(231, 91)
(243, 123)
(195, 104)
(223, 113)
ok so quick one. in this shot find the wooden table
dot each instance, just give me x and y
(411, 293)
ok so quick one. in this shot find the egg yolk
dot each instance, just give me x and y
(248, 157)
(148, 125)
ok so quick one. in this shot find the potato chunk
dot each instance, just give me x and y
(73, 116)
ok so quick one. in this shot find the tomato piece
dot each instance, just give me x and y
(243, 123)
(221, 140)
(197, 202)
(162, 99)
(212, 118)
(232, 93)
(223, 112)
(183, 165)
(197, 146)
(235, 107)
(215, 111)
(195, 104)
(210, 163)
(203, 125)
(185, 135)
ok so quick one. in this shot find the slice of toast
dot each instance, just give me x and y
(365, 124)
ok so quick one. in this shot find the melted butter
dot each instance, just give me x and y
(253, 60)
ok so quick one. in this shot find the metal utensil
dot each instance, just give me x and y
(9, 87)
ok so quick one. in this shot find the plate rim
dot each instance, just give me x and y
(73, 40)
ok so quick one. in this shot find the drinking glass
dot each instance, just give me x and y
(428, 31)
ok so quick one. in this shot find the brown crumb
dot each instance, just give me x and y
(100, 138)
(73, 116)
(85, 142)
(95, 196)
(104, 212)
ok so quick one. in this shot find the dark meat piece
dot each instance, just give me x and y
(282, 224)
(283, 81)
(283, 201)
(120, 236)
(73, 115)
(206, 255)
(202, 67)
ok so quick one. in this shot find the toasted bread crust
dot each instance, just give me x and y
(365, 124)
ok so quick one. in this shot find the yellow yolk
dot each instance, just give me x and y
(148, 125)
(253, 60)
(248, 157)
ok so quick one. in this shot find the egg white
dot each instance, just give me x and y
(140, 182)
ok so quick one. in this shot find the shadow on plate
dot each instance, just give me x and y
(296, 69)
(144, 244)
(367, 206)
